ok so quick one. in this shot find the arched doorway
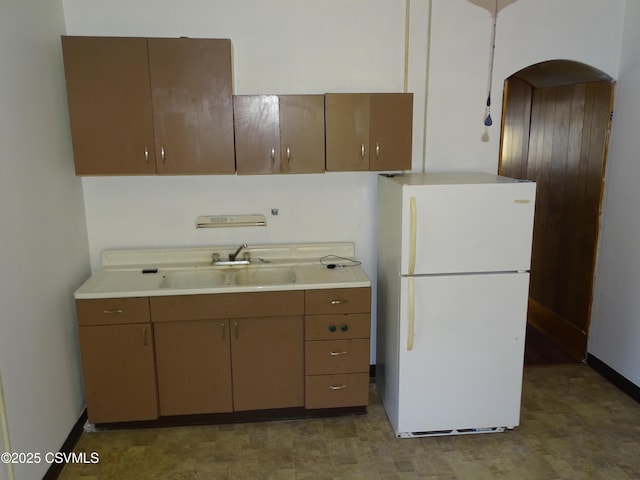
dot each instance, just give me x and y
(555, 129)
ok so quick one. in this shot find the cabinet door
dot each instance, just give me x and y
(390, 131)
(119, 372)
(192, 105)
(194, 367)
(302, 133)
(347, 131)
(268, 363)
(109, 105)
(257, 132)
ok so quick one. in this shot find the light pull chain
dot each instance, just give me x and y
(487, 119)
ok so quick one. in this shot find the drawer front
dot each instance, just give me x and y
(227, 305)
(112, 311)
(331, 391)
(337, 327)
(338, 300)
(336, 356)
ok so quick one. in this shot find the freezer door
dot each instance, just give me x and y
(485, 227)
(460, 366)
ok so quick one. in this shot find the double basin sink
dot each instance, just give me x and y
(231, 276)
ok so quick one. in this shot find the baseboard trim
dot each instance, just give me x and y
(55, 469)
(624, 384)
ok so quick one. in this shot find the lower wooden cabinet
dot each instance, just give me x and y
(145, 358)
(333, 391)
(229, 352)
(193, 361)
(117, 360)
(267, 361)
(337, 338)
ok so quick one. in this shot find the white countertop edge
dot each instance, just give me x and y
(218, 290)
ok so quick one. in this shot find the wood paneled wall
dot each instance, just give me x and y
(557, 137)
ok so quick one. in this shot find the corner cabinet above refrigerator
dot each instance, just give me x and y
(454, 253)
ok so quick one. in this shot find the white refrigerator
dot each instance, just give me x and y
(454, 254)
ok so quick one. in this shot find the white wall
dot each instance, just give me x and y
(310, 46)
(44, 252)
(615, 327)
(528, 32)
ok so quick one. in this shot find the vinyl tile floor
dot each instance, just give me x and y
(574, 425)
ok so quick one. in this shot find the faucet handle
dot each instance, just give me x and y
(215, 257)
(247, 256)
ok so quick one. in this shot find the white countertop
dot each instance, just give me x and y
(188, 271)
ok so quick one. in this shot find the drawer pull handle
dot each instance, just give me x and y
(344, 328)
(337, 387)
(335, 354)
(338, 302)
(332, 328)
(117, 311)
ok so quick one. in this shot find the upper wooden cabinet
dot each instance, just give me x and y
(279, 134)
(146, 106)
(368, 131)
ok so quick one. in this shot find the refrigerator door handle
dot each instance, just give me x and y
(412, 315)
(413, 211)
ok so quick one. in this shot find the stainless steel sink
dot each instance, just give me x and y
(195, 279)
(264, 276)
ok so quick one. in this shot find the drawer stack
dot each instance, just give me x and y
(337, 332)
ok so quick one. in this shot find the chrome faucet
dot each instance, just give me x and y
(232, 256)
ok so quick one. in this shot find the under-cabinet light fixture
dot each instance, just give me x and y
(218, 221)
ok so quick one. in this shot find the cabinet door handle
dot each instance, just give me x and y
(288, 154)
(338, 302)
(144, 337)
(362, 151)
(235, 324)
(412, 315)
(377, 149)
(336, 354)
(337, 387)
(273, 154)
(116, 311)
(222, 330)
(162, 154)
(146, 154)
